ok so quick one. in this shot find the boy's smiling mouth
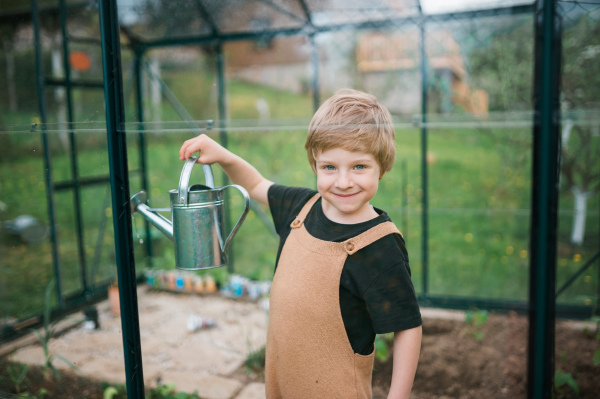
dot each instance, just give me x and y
(348, 195)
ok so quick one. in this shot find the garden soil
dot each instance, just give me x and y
(457, 360)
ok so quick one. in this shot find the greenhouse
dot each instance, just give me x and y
(495, 187)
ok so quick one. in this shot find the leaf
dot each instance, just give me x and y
(481, 317)
(381, 349)
(110, 392)
(468, 316)
(54, 371)
(479, 335)
(561, 378)
(17, 372)
(48, 292)
(597, 357)
(67, 361)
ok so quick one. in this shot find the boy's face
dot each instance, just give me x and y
(347, 180)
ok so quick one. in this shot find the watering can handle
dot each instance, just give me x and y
(184, 179)
(242, 217)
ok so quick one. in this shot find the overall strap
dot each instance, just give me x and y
(370, 236)
(305, 209)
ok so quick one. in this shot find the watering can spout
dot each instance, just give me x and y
(138, 204)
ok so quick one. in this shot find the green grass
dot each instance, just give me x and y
(479, 197)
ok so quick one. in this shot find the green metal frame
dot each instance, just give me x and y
(119, 180)
(544, 205)
(541, 307)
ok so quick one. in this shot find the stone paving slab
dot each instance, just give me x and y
(201, 360)
(254, 390)
(207, 386)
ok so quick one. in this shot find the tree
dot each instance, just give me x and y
(503, 69)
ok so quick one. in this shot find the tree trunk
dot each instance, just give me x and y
(580, 211)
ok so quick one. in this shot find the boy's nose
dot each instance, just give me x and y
(343, 181)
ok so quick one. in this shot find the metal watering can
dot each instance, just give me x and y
(196, 223)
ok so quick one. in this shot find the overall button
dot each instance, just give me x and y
(350, 246)
(296, 223)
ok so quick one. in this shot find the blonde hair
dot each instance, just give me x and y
(354, 121)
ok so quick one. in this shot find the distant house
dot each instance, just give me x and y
(390, 62)
(385, 63)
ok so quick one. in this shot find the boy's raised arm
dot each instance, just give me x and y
(237, 169)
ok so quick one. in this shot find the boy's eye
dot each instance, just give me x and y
(360, 167)
(329, 167)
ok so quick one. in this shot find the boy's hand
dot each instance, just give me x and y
(237, 169)
(210, 150)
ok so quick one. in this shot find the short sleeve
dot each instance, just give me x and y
(285, 203)
(391, 300)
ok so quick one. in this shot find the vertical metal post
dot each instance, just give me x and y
(424, 184)
(546, 168)
(597, 292)
(404, 198)
(47, 157)
(142, 147)
(73, 145)
(315, 76)
(224, 139)
(119, 180)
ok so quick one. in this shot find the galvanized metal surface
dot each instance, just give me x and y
(198, 220)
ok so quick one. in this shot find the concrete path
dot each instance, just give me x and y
(205, 361)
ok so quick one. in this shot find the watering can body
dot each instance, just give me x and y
(197, 220)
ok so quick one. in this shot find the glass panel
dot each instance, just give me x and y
(146, 19)
(83, 21)
(26, 261)
(578, 234)
(255, 16)
(268, 80)
(357, 11)
(440, 6)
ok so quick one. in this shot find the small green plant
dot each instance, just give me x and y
(17, 373)
(162, 391)
(563, 379)
(255, 362)
(382, 346)
(42, 392)
(47, 336)
(476, 319)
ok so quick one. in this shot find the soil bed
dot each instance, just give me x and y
(453, 364)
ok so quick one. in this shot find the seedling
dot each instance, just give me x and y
(17, 373)
(476, 319)
(47, 336)
(382, 346)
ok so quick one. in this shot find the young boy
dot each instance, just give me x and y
(342, 272)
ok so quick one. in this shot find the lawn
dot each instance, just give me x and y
(478, 195)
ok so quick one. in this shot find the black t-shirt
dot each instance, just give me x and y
(376, 292)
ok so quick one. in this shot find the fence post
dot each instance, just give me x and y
(47, 156)
(424, 202)
(119, 180)
(546, 168)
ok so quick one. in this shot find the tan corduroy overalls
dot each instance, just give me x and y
(308, 353)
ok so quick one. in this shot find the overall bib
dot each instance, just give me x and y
(308, 354)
